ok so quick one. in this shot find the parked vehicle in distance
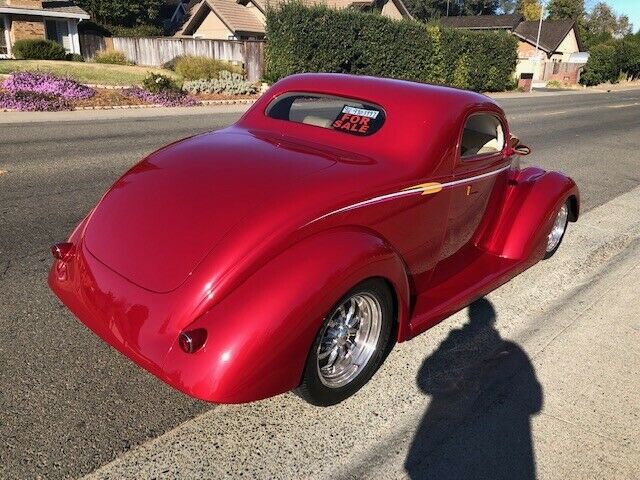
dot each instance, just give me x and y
(291, 250)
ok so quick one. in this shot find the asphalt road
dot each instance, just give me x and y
(68, 403)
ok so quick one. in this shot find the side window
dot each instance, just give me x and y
(482, 135)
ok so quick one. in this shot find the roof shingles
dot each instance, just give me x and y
(59, 6)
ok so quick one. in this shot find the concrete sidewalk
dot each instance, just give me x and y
(539, 380)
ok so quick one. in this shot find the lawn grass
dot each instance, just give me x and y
(87, 73)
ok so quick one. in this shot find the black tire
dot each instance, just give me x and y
(312, 389)
(551, 253)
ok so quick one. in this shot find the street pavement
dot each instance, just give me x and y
(70, 404)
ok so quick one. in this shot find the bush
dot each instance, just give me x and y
(196, 68)
(38, 49)
(74, 57)
(554, 84)
(229, 83)
(157, 83)
(319, 39)
(602, 65)
(113, 57)
(613, 61)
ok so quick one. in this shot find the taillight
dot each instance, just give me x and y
(62, 251)
(193, 340)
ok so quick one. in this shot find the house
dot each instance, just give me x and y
(173, 13)
(245, 19)
(53, 20)
(556, 50)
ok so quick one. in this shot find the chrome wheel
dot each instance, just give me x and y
(559, 226)
(349, 340)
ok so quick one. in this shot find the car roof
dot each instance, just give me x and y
(411, 109)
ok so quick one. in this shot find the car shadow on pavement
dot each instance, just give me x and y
(483, 392)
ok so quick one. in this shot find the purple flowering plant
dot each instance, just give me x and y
(48, 84)
(33, 92)
(33, 102)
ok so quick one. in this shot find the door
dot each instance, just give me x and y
(480, 169)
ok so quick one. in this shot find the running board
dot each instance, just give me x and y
(457, 282)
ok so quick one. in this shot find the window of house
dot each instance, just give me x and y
(58, 31)
(327, 111)
(483, 134)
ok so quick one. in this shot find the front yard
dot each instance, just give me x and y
(40, 85)
(86, 73)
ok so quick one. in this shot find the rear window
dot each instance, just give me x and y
(344, 115)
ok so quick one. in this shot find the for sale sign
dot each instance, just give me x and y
(358, 121)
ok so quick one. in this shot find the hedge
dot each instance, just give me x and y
(319, 39)
(610, 61)
(38, 49)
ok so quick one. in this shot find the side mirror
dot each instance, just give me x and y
(517, 148)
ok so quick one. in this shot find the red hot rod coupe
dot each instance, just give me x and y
(290, 250)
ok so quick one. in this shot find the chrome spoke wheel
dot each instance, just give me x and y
(349, 340)
(557, 231)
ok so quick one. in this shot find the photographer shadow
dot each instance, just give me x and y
(483, 392)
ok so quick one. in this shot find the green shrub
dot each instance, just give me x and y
(602, 66)
(554, 84)
(112, 56)
(74, 57)
(157, 83)
(229, 83)
(613, 61)
(319, 39)
(171, 64)
(191, 67)
(38, 49)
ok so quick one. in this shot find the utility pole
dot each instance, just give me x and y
(448, 7)
(539, 31)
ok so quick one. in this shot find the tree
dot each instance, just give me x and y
(529, 9)
(479, 7)
(602, 24)
(561, 9)
(123, 13)
(427, 10)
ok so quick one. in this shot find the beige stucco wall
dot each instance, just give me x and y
(568, 46)
(390, 10)
(213, 28)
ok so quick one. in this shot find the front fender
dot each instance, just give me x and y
(531, 203)
(260, 334)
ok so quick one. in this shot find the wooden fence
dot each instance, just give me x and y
(155, 52)
(90, 44)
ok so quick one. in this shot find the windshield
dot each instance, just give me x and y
(345, 115)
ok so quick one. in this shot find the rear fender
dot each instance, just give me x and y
(260, 334)
(533, 198)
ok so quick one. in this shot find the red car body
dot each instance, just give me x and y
(253, 232)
